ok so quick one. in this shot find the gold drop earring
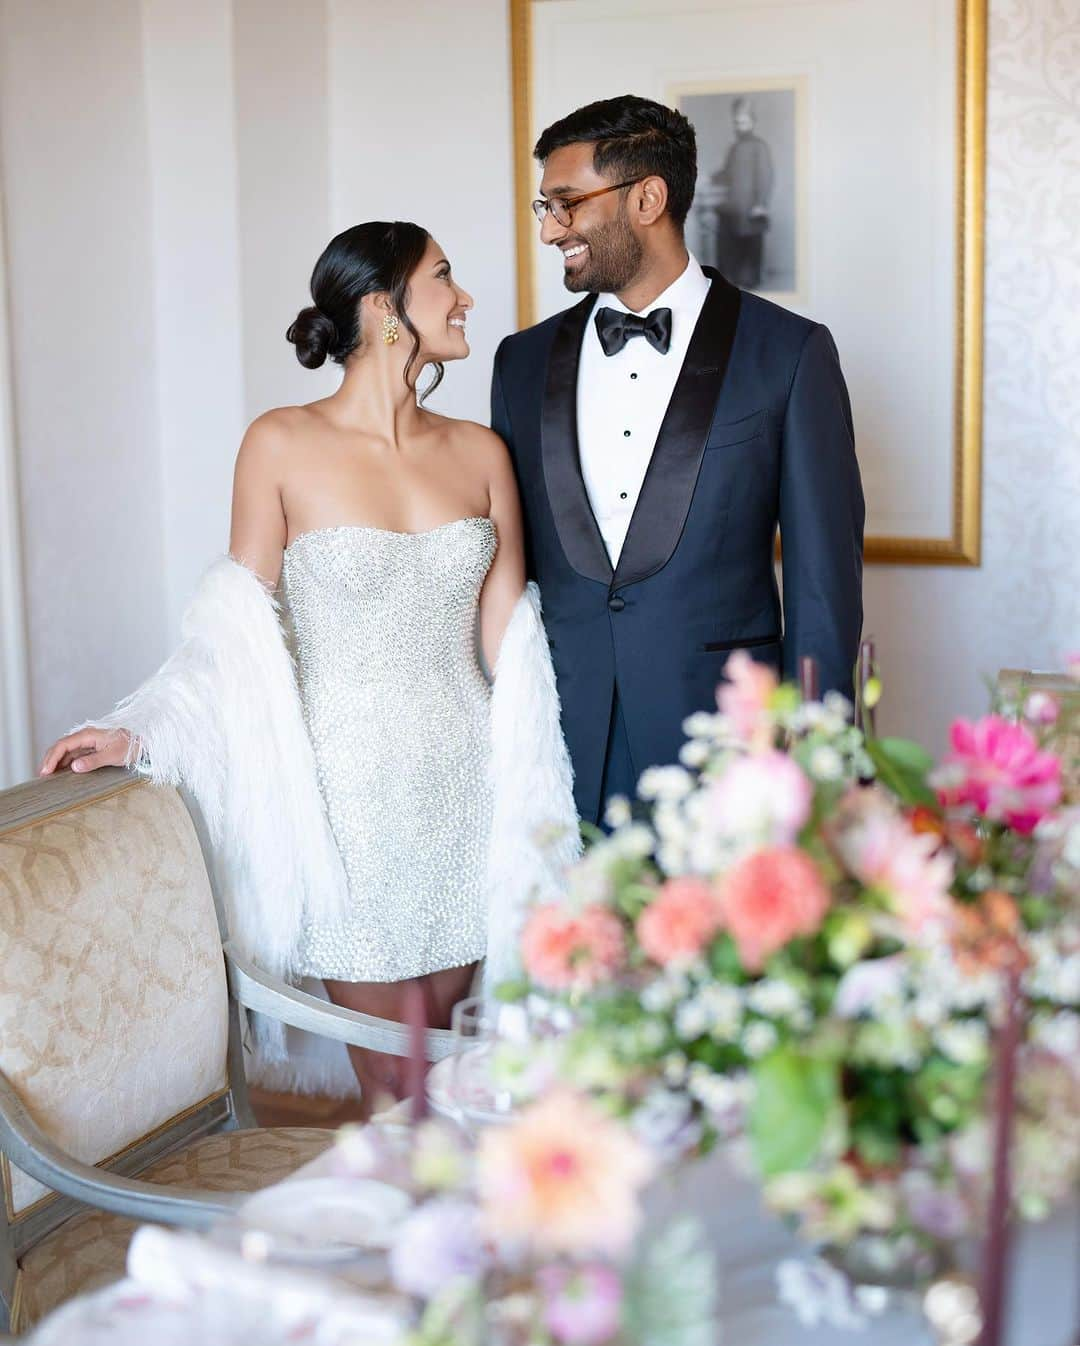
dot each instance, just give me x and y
(390, 329)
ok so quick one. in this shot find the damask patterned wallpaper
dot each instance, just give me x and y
(940, 632)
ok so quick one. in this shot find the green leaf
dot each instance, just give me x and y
(876, 1145)
(724, 961)
(670, 1292)
(907, 754)
(511, 991)
(794, 1099)
(903, 766)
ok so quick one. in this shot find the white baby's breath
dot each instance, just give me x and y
(665, 782)
(617, 813)
(759, 1039)
(965, 1041)
(774, 998)
(694, 753)
(826, 764)
(691, 1020)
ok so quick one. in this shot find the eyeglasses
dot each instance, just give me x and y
(562, 207)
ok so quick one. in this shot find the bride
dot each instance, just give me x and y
(374, 804)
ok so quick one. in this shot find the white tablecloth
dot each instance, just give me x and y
(1044, 1303)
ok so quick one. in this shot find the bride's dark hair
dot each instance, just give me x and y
(367, 259)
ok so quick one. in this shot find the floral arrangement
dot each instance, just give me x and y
(803, 939)
(530, 1237)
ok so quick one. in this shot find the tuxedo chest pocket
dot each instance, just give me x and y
(737, 432)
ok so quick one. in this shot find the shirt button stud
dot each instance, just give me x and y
(616, 603)
(633, 376)
(622, 495)
(626, 434)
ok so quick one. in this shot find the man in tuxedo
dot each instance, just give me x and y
(662, 429)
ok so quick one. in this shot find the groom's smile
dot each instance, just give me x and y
(573, 253)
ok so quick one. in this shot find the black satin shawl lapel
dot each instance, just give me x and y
(660, 514)
(575, 522)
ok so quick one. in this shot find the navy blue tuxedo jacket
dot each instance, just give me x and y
(758, 436)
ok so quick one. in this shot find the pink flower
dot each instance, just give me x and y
(1072, 665)
(435, 1245)
(765, 797)
(680, 921)
(998, 768)
(1041, 708)
(562, 1178)
(869, 986)
(582, 1304)
(565, 950)
(770, 897)
(744, 698)
(885, 850)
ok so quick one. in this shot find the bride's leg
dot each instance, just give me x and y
(444, 990)
(379, 1073)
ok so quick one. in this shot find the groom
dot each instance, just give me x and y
(662, 429)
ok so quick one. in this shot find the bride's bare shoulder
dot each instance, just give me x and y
(276, 434)
(475, 440)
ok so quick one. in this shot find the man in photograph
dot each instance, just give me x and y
(746, 180)
(662, 429)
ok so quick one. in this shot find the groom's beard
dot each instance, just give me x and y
(612, 262)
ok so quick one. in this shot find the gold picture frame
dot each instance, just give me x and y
(964, 544)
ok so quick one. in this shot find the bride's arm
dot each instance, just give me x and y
(257, 540)
(506, 578)
(259, 529)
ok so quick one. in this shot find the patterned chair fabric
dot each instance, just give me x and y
(114, 1009)
(88, 1251)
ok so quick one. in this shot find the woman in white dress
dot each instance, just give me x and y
(394, 534)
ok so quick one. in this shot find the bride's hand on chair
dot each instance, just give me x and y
(86, 750)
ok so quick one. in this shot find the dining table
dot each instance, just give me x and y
(240, 1285)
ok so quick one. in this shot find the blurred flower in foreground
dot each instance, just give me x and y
(563, 1177)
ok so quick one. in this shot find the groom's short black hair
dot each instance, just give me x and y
(633, 137)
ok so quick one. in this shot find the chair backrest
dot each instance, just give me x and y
(114, 1011)
(1016, 685)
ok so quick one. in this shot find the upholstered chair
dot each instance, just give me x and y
(122, 1095)
(1015, 685)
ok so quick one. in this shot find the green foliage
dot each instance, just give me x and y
(724, 961)
(944, 1096)
(670, 1292)
(795, 1102)
(878, 1110)
(903, 767)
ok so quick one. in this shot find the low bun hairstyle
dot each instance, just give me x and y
(313, 334)
(374, 258)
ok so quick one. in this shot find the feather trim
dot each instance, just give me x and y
(534, 830)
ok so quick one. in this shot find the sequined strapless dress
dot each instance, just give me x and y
(384, 630)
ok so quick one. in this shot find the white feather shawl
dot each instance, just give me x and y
(222, 718)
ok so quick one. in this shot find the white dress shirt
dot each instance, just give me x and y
(621, 401)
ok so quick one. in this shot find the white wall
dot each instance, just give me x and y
(73, 145)
(15, 749)
(420, 110)
(163, 222)
(281, 61)
(187, 71)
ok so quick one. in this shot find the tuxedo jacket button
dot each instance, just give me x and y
(616, 603)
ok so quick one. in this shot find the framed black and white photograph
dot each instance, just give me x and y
(748, 211)
(841, 174)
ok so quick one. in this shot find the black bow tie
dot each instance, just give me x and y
(615, 328)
